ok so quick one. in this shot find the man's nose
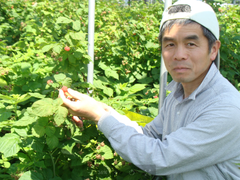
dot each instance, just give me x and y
(180, 53)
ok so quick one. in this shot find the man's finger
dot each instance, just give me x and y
(66, 101)
(77, 95)
(78, 122)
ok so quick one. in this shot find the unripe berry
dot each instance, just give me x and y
(102, 144)
(98, 156)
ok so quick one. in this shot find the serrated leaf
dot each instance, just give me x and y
(59, 77)
(52, 142)
(72, 59)
(25, 121)
(21, 131)
(5, 97)
(47, 48)
(67, 82)
(108, 91)
(58, 48)
(63, 20)
(68, 148)
(3, 83)
(38, 145)
(69, 40)
(137, 87)
(111, 73)
(151, 45)
(106, 152)
(4, 115)
(76, 25)
(57, 102)
(50, 131)
(60, 115)
(9, 144)
(37, 95)
(38, 130)
(43, 121)
(43, 107)
(23, 98)
(77, 35)
(87, 157)
(138, 117)
(31, 175)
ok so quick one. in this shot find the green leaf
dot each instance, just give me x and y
(47, 48)
(152, 45)
(111, 73)
(58, 48)
(43, 107)
(23, 98)
(59, 77)
(57, 102)
(63, 20)
(76, 25)
(52, 142)
(7, 98)
(56, 178)
(38, 145)
(69, 40)
(3, 83)
(50, 130)
(60, 115)
(67, 149)
(31, 175)
(43, 121)
(87, 157)
(9, 144)
(25, 121)
(137, 117)
(78, 35)
(38, 130)
(72, 59)
(106, 152)
(108, 91)
(21, 131)
(67, 82)
(137, 87)
(4, 115)
(37, 95)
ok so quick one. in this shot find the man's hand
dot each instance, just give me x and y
(84, 106)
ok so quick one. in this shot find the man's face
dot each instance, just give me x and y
(186, 55)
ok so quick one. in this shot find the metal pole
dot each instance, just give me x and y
(91, 25)
(163, 72)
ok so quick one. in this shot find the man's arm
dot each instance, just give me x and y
(212, 138)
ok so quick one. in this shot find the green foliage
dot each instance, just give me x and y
(229, 17)
(38, 139)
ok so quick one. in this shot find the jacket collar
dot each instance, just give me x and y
(177, 88)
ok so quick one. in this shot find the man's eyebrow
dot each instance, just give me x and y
(165, 39)
(192, 37)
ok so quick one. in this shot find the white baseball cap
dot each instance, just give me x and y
(200, 12)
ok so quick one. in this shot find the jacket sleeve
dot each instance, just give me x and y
(213, 137)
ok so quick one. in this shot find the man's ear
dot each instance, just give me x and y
(214, 50)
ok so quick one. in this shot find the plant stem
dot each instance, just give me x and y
(54, 173)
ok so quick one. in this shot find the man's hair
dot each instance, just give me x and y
(185, 8)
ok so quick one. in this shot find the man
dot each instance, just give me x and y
(196, 135)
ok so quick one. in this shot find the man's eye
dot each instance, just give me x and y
(170, 45)
(191, 44)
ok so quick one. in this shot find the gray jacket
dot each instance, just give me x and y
(194, 138)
